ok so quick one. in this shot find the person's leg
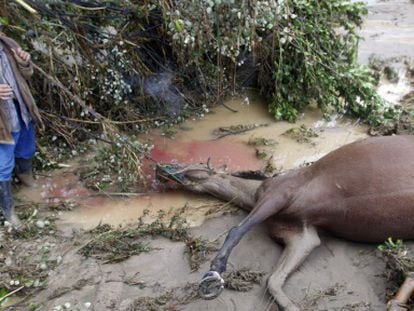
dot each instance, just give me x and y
(6, 170)
(24, 152)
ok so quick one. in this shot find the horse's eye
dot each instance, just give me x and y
(198, 175)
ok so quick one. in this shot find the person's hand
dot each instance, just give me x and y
(6, 92)
(23, 55)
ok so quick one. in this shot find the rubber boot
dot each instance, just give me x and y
(7, 205)
(24, 172)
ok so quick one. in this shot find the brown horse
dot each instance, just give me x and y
(362, 192)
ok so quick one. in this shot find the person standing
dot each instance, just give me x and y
(18, 115)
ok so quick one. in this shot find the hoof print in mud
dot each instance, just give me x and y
(211, 285)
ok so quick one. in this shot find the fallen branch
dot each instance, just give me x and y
(27, 7)
(11, 293)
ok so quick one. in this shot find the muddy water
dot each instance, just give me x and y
(195, 142)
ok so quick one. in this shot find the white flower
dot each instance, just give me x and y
(40, 224)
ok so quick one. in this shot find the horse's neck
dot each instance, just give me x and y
(240, 191)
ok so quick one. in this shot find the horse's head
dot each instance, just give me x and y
(191, 176)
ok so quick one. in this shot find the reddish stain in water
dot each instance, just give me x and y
(66, 186)
(236, 155)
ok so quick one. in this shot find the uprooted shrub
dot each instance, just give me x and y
(303, 51)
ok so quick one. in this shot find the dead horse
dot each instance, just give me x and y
(363, 191)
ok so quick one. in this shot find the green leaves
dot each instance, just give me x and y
(319, 64)
(179, 26)
(306, 52)
(4, 21)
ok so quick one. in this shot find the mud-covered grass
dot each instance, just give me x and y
(301, 134)
(114, 245)
(242, 280)
(198, 250)
(261, 154)
(111, 245)
(404, 126)
(399, 262)
(172, 300)
(224, 131)
(28, 255)
(383, 68)
(311, 301)
(388, 70)
(262, 141)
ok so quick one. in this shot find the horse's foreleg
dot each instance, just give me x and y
(212, 284)
(299, 244)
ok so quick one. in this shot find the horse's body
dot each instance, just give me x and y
(363, 191)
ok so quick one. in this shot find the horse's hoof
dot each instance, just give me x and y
(211, 285)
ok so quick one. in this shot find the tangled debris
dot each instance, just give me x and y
(115, 245)
(399, 262)
(301, 134)
(404, 126)
(242, 280)
(27, 256)
(171, 300)
(262, 141)
(198, 250)
(235, 129)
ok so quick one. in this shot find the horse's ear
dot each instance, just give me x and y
(209, 163)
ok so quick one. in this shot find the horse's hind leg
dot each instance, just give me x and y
(300, 241)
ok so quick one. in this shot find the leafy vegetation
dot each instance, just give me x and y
(117, 165)
(305, 50)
